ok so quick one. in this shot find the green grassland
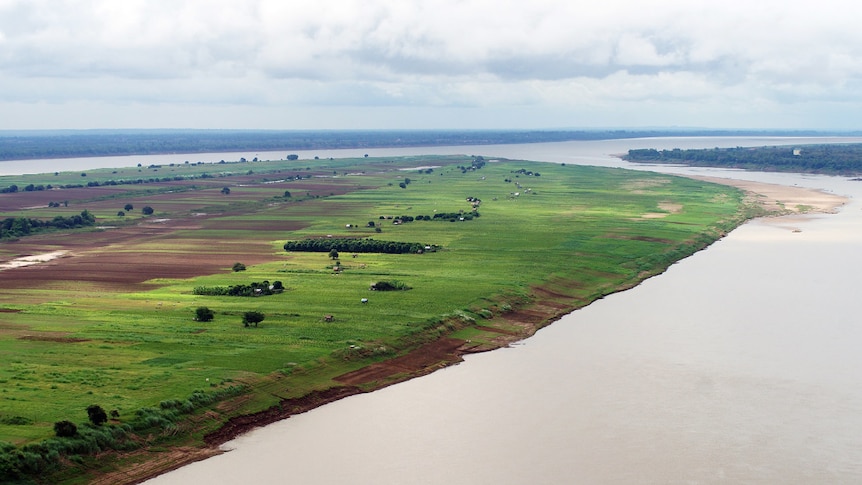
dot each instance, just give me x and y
(583, 231)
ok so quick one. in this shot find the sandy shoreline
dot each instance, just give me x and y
(784, 198)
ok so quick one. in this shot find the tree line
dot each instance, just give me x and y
(357, 245)
(254, 288)
(13, 227)
(22, 145)
(840, 159)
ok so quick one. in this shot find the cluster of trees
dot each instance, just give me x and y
(478, 162)
(254, 288)
(454, 216)
(357, 246)
(826, 159)
(524, 171)
(13, 227)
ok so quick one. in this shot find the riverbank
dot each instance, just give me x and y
(520, 323)
(652, 222)
(549, 305)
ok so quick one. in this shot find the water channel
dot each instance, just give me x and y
(740, 364)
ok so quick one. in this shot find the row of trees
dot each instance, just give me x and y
(254, 288)
(439, 216)
(13, 227)
(356, 246)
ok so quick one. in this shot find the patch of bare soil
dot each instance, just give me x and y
(286, 408)
(423, 360)
(148, 464)
(123, 259)
(59, 338)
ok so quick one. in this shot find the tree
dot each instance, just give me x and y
(65, 429)
(204, 314)
(293, 157)
(96, 414)
(147, 210)
(286, 194)
(128, 207)
(237, 267)
(225, 191)
(333, 253)
(252, 318)
(121, 214)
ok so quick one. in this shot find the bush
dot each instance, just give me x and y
(147, 210)
(238, 267)
(389, 286)
(204, 314)
(65, 429)
(96, 414)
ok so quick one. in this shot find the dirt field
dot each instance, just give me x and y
(123, 259)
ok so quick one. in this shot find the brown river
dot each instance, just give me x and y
(740, 364)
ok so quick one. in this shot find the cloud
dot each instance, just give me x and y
(561, 56)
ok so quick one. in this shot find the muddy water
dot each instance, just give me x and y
(740, 364)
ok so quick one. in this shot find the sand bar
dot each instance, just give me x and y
(784, 197)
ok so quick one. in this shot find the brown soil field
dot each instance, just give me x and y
(119, 259)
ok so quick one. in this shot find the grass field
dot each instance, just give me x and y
(112, 321)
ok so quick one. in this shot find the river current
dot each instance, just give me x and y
(740, 364)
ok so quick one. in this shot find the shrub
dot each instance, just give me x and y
(96, 414)
(204, 314)
(65, 429)
(238, 267)
(389, 286)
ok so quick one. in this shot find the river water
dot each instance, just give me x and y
(740, 364)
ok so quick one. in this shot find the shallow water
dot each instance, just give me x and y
(739, 364)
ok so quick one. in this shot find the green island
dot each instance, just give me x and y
(829, 159)
(187, 313)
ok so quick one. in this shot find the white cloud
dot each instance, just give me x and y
(549, 56)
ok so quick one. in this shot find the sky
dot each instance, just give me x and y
(435, 64)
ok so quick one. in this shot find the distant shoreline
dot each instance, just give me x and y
(60, 144)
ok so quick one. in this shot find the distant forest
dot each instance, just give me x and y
(839, 159)
(28, 145)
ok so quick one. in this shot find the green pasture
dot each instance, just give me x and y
(596, 229)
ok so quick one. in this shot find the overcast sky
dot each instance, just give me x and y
(332, 64)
